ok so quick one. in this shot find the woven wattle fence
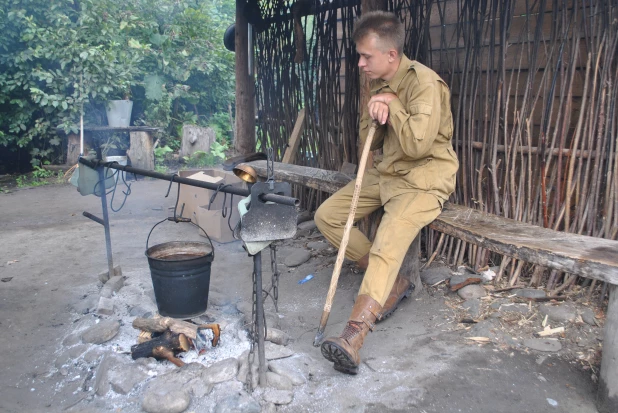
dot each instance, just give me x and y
(533, 94)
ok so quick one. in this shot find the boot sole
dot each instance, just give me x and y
(332, 352)
(406, 294)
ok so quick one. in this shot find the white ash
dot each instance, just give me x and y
(137, 291)
(231, 344)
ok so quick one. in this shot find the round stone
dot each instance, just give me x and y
(166, 400)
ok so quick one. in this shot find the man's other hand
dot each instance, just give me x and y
(378, 106)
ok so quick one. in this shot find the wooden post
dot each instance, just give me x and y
(607, 396)
(141, 150)
(72, 149)
(290, 153)
(245, 87)
(411, 265)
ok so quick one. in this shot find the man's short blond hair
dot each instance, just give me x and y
(385, 26)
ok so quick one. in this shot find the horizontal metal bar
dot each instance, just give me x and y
(278, 199)
(287, 13)
(93, 217)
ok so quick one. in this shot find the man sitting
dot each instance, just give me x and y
(414, 178)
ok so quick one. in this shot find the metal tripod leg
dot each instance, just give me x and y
(108, 237)
(259, 314)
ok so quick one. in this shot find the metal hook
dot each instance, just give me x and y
(169, 188)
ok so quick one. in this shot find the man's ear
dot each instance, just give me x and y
(392, 55)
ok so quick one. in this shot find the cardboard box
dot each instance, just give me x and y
(196, 201)
(215, 225)
(192, 197)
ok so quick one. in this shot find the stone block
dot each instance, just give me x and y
(106, 306)
(113, 285)
(104, 276)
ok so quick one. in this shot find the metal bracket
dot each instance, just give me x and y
(267, 221)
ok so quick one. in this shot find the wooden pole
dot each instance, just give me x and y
(346, 237)
(607, 397)
(245, 87)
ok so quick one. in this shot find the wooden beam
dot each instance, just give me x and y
(290, 152)
(245, 88)
(589, 257)
(329, 181)
(533, 150)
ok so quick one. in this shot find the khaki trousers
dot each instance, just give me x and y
(405, 214)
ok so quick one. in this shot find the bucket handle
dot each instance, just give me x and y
(177, 220)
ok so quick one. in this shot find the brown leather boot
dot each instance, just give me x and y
(401, 289)
(344, 350)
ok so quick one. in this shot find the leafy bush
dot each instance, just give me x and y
(201, 159)
(61, 56)
(220, 123)
(53, 59)
(161, 153)
(38, 177)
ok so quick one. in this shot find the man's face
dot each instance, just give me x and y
(373, 62)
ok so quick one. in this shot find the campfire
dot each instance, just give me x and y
(164, 338)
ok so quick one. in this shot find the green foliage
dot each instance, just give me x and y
(38, 177)
(220, 123)
(39, 173)
(161, 154)
(201, 159)
(53, 59)
(57, 57)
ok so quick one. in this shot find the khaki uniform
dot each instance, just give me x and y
(412, 180)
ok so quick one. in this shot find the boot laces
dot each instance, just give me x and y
(351, 330)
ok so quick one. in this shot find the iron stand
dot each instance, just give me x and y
(259, 315)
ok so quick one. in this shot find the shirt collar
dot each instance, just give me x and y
(404, 66)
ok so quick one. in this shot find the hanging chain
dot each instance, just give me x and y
(273, 290)
(252, 336)
(274, 284)
(253, 332)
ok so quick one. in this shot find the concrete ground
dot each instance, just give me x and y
(418, 360)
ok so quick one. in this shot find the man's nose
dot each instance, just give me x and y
(362, 62)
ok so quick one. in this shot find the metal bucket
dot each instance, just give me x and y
(180, 272)
(119, 113)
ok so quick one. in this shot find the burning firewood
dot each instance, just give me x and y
(160, 325)
(167, 324)
(165, 346)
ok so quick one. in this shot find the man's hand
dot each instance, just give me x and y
(378, 106)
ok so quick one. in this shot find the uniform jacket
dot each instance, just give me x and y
(416, 142)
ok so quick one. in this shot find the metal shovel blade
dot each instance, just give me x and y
(266, 221)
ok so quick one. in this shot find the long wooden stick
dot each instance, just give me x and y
(346, 237)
